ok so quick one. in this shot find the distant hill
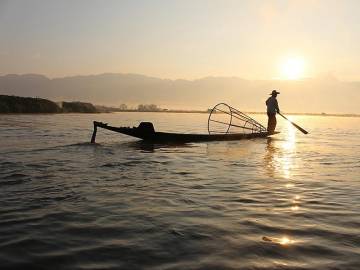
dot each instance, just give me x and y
(320, 95)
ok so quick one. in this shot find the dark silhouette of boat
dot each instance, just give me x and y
(146, 132)
(224, 124)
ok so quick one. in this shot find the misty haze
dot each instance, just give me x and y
(180, 135)
(320, 95)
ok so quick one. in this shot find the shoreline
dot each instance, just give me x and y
(182, 111)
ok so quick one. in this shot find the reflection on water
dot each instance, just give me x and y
(280, 164)
(270, 158)
(284, 241)
(152, 147)
(290, 143)
(279, 155)
(229, 150)
(287, 202)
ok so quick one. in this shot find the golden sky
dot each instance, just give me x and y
(257, 39)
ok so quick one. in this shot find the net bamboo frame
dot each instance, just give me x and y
(236, 122)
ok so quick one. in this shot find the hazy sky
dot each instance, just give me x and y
(180, 39)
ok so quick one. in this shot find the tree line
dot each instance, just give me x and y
(141, 108)
(14, 104)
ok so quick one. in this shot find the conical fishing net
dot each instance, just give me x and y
(224, 119)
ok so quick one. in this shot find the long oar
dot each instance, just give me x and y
(295, 125)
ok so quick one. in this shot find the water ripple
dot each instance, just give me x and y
(290, 202)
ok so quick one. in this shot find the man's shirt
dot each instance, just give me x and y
(272, 105)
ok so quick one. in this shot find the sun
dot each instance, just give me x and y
(292, 68)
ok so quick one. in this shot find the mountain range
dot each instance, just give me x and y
(315, 95)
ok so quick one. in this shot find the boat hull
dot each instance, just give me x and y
(152, 136)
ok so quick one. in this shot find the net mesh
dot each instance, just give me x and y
(224, 119)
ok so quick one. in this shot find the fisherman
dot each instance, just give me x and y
(272, 109)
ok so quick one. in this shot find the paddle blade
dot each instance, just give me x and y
(299, 128)
(295, 125)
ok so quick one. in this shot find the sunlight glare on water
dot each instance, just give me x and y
(291, 201)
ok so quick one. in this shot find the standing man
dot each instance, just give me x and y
(272, 109)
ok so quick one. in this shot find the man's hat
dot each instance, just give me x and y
(274, 92)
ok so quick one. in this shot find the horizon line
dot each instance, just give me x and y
(169, 110)
(322, 77)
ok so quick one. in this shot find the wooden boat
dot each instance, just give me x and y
(218, 128)
(145, 131)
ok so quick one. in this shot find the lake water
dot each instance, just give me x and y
(288, 202)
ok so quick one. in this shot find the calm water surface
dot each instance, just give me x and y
(288, 202)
